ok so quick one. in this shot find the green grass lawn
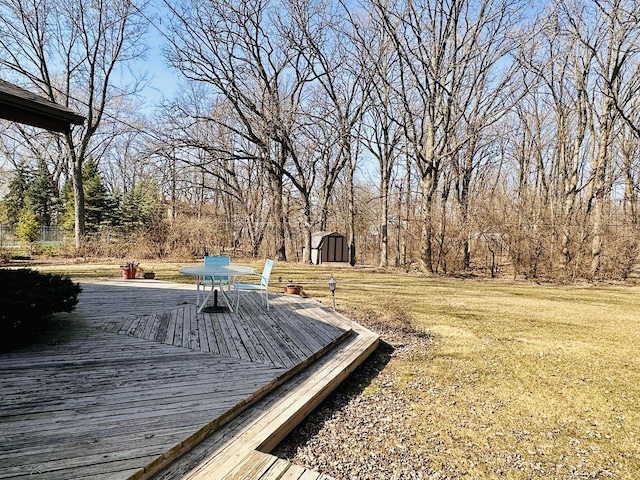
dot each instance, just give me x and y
(519, 380)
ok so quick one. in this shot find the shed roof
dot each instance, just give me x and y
(318, 237)
(23, 106)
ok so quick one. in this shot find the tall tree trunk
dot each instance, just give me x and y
(277, 214)
(429, 168)
(352, 209)
(407, 212)
(629, 206)
(426, 234)
(599, 168)
(324, 210)
(306, 241)
(78, 194)
(570, 166)
(463, 185)
(569, 200)
(399, 228)
(384, 230)
(174, 185)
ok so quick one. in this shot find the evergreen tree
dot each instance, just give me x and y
(68, 218)
(27, 227)
(41, 196)
(96, 198)
(98, 207)
(15, 200)
(3, 213)
(141, 206)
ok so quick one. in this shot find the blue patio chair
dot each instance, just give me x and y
(263, 286)
(216, 260)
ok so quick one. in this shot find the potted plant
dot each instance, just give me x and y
(148, 274)
(129, 270)
(292, 288)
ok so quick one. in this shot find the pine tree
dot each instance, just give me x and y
(95, 197)
(140, 206)
(15, 199)
(68, 219)
(41, 196)
(27, 227)
(98, 207)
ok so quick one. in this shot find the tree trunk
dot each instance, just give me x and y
(324, 210)
(352, 211)
(599, 169)
(399, 228)
(306, 246)
(384, 213)
(629, 206)
(277, 192)
(78, 194)
(463, 205)
(596, 243)
(405, 238)
(173, 186)
(426, 234)
(426, 231)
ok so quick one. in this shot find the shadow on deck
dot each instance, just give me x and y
(145, 386)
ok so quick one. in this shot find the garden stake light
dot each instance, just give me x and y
(332, 287)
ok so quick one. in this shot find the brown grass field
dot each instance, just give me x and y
(516, 380)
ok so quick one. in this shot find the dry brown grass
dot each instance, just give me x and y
(516, 380)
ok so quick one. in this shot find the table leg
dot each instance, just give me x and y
(226, 300)
(199, 305)
(204, 302)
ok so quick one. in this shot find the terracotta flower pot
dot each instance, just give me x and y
(293, 289)
(129, 273)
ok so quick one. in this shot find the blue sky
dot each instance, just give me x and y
(162, 79)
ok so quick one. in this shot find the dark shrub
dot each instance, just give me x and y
(28, 299)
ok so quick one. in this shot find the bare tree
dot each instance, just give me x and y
(381, 136)
(71, 52)
(235, 47)
(381, 131)
(336, 58)
(443, 48)
(564, 68)
(609, 30)
(222, 167)
(630, 167)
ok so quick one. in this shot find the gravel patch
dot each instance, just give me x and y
(358, 435)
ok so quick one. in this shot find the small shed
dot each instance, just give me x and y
(329, 247)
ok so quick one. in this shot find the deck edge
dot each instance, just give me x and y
(196, 438)
(242, 446)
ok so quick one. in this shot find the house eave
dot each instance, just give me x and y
(23, 106)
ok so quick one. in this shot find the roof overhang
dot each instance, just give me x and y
(20, 105)
(317, 238)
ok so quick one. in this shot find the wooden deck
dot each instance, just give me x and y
(142, 386)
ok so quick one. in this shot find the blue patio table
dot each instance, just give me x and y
(214, 271)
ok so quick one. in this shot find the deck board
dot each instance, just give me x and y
(142, 378)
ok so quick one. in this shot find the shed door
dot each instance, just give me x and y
(335, 249)
(340, 249)
(331, 249)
